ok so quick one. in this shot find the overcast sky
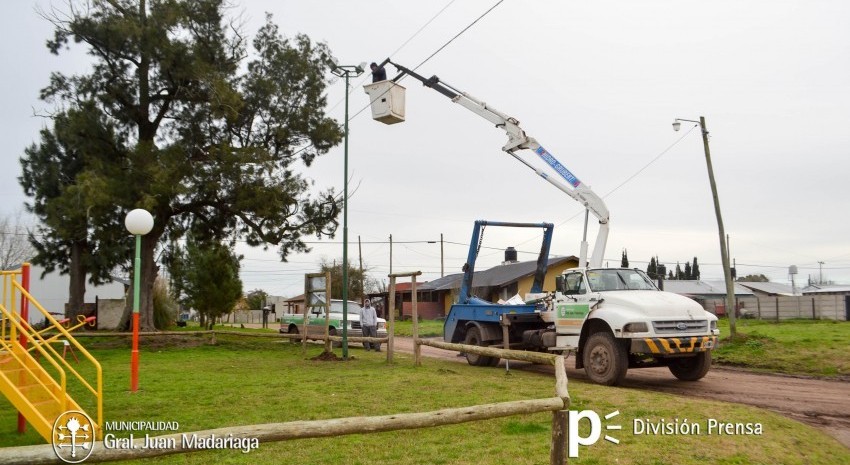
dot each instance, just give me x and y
(596, 83)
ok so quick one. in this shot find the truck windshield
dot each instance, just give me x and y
(618, 280)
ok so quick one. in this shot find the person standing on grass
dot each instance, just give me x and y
(369, 325)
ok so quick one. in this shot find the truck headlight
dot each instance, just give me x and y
(713, 324)
(635, 328)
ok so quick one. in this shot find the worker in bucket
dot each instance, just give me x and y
(378, 72)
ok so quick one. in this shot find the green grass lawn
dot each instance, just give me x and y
(243, 381)
(808, 347)
(427, 328)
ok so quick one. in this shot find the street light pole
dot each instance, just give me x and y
(724, 252)
(345, 71)
(139, 222)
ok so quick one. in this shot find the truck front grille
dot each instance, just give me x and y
(355, 325)
(680, 326)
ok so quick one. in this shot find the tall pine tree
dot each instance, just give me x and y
(652, 268)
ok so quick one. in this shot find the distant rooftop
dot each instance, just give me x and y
(695, 287)
(769, 288)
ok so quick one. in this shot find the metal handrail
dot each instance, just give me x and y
(55, 324)
(62, 376)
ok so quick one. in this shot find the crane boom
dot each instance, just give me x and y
(518, 140)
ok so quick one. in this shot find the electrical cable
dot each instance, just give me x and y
(395, 51)
(435, 53)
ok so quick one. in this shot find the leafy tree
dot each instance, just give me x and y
(256, 299)
(652, 268)
(207, 279)
(687, 274)
(354, 280)
(679, 273)
(695, 269)
(191, 132)
(753, 278)
(65, 239)
(624, 260)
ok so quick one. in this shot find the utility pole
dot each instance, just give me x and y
(820, 278)
(391, 254)
(442, 258)
(724, 252)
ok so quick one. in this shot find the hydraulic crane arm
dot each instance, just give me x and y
(518, 140)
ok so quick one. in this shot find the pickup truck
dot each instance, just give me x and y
(293, 322)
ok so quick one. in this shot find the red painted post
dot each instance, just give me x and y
(25, 305)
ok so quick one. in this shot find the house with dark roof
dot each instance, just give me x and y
(435, 298)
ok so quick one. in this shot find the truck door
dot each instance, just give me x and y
(576, 286)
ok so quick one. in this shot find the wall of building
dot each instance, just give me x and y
(548, 282)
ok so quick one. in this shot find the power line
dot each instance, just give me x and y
(397, 50)
(437, 51)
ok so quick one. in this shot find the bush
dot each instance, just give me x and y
(164, 307)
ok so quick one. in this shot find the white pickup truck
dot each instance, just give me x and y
(293, 322)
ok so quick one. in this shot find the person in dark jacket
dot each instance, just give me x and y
(378, 72)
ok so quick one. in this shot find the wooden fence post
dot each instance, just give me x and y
(417, 349)
(391, 316)
(558, 448)
(327, 312)
(506, 338)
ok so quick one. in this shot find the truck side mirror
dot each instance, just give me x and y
(561, 284)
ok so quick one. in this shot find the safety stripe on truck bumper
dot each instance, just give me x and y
(673, 345)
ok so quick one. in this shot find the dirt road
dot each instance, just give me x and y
(820, 403)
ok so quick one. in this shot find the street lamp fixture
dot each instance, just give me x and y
(139, 222)
(724, 251)
(346, 71)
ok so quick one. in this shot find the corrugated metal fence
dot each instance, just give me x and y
(820, 307)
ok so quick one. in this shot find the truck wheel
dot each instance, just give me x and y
(293, 330)
(691, 368)
(473, 338)
(605, 361)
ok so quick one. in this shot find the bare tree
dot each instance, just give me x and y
(15, 247)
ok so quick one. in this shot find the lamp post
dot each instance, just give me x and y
(139, 222)
(724, 252)
(345, 71)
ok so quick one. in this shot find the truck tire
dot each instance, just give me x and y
(605, 360)
(293, 330)
(473, 338)
(691, 368)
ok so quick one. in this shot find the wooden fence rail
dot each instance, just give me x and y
(43, 454)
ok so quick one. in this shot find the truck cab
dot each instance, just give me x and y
(617, 318)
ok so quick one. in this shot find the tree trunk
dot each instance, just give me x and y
(77, 281)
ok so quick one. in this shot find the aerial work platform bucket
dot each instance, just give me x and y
(387, 101)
